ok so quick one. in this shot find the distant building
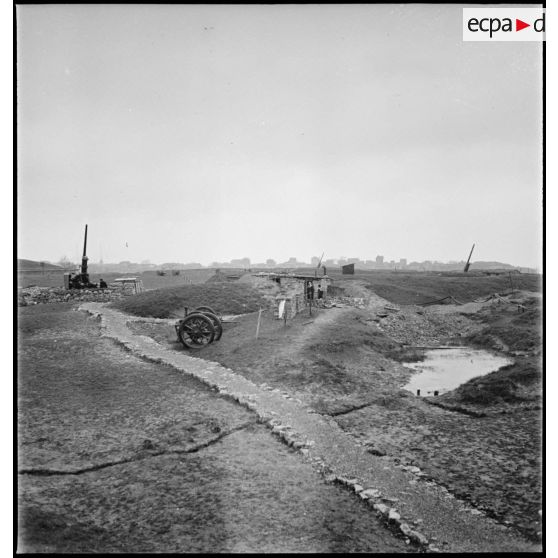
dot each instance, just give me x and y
(380, 260)
(242, 262)
(348, 269)
(403, 262)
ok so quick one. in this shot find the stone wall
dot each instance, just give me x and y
(292, 291)
(47, 295)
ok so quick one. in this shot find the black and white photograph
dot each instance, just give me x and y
(280, 278)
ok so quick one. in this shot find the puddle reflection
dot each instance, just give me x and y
(444, 369)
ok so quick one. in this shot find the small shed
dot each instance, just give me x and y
(132, 285)
(298, 292)
(348, 269)
(292, 293)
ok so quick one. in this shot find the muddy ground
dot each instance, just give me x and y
(347, 362)
(120, 455)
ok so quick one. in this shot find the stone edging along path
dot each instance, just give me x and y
(402, 499)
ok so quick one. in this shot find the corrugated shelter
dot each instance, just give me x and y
(348, 269)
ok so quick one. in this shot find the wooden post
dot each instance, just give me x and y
(259, 320)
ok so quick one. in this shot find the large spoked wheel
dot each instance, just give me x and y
(208, 311)
(196, 331)
(216, 324)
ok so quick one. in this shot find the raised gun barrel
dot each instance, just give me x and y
(81, 280)
(84, 258)
(467, 265)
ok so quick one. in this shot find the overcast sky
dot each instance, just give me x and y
(205, 133)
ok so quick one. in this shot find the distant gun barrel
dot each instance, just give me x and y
(85, 244)
(467, 265)
(84, 258)
(80, 280)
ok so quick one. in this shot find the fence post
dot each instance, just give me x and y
(259, 319)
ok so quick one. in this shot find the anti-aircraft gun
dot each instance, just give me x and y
(468, 265)
(81, 280)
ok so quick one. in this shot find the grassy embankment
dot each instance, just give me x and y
(518, 331)
(420, 287)
(518, 334)
(224, 298)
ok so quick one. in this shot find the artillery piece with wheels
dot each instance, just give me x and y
(199, 328)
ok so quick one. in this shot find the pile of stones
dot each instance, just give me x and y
(345, 301)
(415, 326)
(46, 295)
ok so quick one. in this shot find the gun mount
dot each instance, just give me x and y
(81, 280)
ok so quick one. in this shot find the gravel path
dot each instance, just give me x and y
(427, 514)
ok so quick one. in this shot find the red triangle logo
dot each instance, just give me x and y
(519, 25)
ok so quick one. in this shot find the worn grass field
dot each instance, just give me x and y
(402, 287)
(120, 455)
(483, 443)
(150, 279)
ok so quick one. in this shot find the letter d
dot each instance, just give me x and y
(538, 26)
